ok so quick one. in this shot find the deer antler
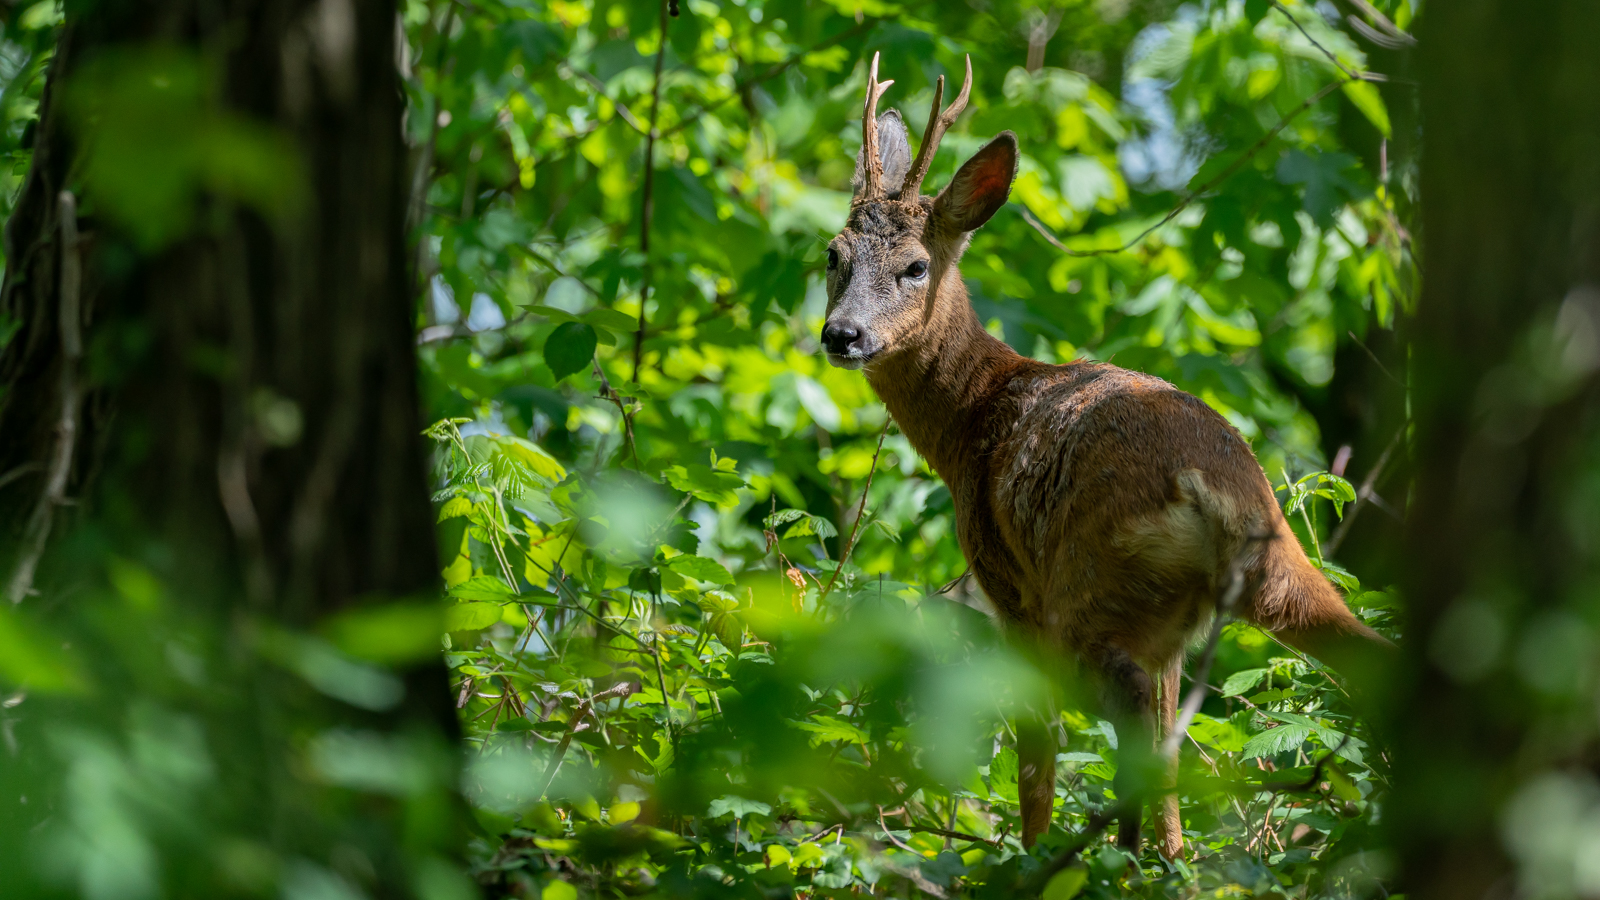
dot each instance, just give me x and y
(872, 170)
(937, 124)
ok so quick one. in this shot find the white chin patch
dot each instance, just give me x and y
(846, 362)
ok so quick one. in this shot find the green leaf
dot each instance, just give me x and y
(570, 348)
(1220, 733)
(1003, 774)
(483, 587)
(611, 320)
(1364, 96)
(1276, 740)
(829, 728)
(705, 483)
(701, 569)
(390, 634)
(558, 890)
(1066, 883)
(472, 616)
(455, 508)
(1242, 681)
(738, 807)
(1344, 578)
(32, 659)
(531, 455)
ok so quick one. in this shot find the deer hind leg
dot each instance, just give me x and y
(1128, 695)
(1168, 822)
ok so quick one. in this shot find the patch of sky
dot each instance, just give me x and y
(485, 314)
(1159, 158)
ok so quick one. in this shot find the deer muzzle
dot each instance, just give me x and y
(849, 345)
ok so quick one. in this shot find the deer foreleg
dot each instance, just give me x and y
(1036, 775)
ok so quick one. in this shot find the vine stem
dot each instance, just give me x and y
(70, 325)
(861, 508)
(647, 204)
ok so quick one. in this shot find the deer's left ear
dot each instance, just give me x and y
(982, 184)
(894, 154)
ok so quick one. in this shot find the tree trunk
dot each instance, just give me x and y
(243, 421)
(1496, 729)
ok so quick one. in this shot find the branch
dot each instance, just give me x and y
(850, 542)
(958, 835)
(1325, 51)
(1364, 493)
(647, 203)
(623, 111)
(1194, 195)
(71, 328)
(584, 708)
(774, 70)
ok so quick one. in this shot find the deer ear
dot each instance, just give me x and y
(894, 150)
(982, 185)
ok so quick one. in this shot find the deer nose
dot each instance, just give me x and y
(837, 337)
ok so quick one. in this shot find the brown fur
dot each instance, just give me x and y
(1100, 508)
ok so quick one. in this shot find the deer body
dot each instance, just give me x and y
(1101, 510)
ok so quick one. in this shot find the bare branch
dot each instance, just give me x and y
(850, 542)
(70, 324)
(1194, 195)
(1365, 493)
(647, 204)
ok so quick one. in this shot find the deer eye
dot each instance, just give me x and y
(833, 258)
(917, 269)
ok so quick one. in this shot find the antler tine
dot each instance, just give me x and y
(872, 186)
(937, 124)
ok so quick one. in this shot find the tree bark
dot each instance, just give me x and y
(249, 424)
(1496, 713)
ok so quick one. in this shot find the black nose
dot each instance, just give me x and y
(838, 336)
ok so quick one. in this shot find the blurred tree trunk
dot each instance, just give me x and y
(1496, 725)
(246, 421)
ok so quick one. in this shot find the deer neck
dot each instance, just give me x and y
(938, 383)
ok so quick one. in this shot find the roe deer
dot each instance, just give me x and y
(1100, 509)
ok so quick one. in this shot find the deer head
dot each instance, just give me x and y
(886, 268)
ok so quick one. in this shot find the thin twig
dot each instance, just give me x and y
(1364, 493)
(855, 527)
(890, 835)
(956, 835)
(622, 108)
(608, 392)
(647, 203)
(1197, 693)
(423, 175)
(585, 707)
(1194, 195)
(1325, 51)
(70, 324)
(18, 472)
(696, 114)
(1373, 356)
(551, 265)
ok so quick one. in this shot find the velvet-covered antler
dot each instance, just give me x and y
(872, 165)
(938, 123)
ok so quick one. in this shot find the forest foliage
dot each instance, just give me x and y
(709, 629)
